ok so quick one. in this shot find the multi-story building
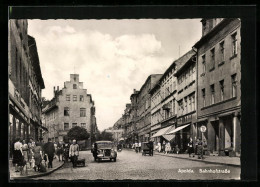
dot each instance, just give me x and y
(218, 85)
(143, 120)
(25, 84)
(186, 98)
(72, 106)
(164, 104)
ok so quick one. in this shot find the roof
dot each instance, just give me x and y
(185, 61)
(213, 31)
(35, 60)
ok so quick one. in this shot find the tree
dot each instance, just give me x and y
(78, 133)
(104, 136)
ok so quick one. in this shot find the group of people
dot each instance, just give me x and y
(194, 147)
(37, 155)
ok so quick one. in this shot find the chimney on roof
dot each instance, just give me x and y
(58, 88)
(54, 90)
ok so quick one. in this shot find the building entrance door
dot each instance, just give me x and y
(215, 125)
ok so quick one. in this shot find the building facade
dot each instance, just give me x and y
(143, 120)
(71, 106)
(186, 99)
(218, 85)
(25, 84)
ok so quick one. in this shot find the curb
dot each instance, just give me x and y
(210, 162)
(38, 175)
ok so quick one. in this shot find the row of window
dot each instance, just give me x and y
(190, 72)
(82, 112)
(221, 52)
(67, 125)
(222, 91)
(75, 97)
(187, 104)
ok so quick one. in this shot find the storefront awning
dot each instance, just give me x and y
(169, 137)
(177, 129)
(162, 131)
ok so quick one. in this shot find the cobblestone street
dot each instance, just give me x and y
(131, 165)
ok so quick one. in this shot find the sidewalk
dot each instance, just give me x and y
(31, 173)
(224, 160)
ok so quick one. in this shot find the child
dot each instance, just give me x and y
(45, 158)
(32, 162)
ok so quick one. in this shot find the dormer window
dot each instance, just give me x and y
(75, 78)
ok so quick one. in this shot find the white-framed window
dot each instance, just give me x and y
(234, 85)
(74, 97)
(83, 125)
(74, 125)
(212, 55)
(82, 112)
(222, 51)
(212, 89)
(234, 44)
(81, 98)
(67, 97)
(203, 64)
(66, 111)
(66, 126)
(221, 86)
(203, 97)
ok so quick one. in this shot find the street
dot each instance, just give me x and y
(131, 165)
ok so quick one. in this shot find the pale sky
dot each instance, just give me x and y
(112, 57)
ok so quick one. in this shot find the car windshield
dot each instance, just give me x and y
(101, 145)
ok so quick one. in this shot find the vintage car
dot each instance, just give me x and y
(104, 150)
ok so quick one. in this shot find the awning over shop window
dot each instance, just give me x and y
(169, 137)
(177, 129)
(162, 131)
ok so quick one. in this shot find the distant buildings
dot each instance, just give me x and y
(201, 88)
(25, 84)
(71, 106)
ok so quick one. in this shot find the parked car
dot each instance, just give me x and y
(104, 150)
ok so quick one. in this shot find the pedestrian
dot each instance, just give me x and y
(18, 155)
(74, 152)
(136, 147)
(151, 147)
(60, 151)
(49, 150)
(55, 147)
(200, 149)
(38, 156)
(66, 147)
(163, 146)
(159, 147)
(167, 148)
(25, 149)
(190, 147)
(31, 145)
(139, 147)
(177, 149)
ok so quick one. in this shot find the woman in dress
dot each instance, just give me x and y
(190, 147)
(18, 155)
(25, 149)
(37, 152)
(167, 148)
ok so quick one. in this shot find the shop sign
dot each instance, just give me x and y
(203, 128)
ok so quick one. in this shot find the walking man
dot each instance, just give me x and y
(74, 153)
(49, 150)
